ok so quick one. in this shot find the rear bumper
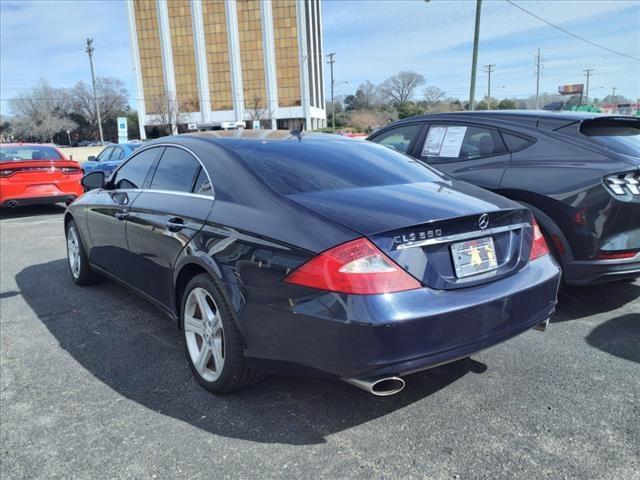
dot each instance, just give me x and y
(601, 271)
(20, 194)
(369, 335)
(24, 201)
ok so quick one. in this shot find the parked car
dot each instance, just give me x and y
(579, 174)
(312, 254)
(37, 174)
(110, 158)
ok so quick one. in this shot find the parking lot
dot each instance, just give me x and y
(95, 385)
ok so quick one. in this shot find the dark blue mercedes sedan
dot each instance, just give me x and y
(312, 255)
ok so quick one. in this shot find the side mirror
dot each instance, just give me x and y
(92, 158)
(93, 180)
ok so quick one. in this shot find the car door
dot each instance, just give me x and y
(164, 218)
(107, 213)
(473, 153)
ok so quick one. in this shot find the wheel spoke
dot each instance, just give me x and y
(193, 325)
(216, 352)
(203, 305)
(203, 358)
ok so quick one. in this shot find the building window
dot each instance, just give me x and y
(150, 53)
(251, 56)
(184, 62)
(285, 29)
(217, 48)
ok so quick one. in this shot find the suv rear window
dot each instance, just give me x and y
(291, 167)
(25, 153)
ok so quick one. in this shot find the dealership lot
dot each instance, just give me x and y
(95, 384)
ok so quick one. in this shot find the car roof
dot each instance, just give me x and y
(233, 138)
(51, 145)
(531, 118)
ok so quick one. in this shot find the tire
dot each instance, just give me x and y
(212, 342)
(82, 274)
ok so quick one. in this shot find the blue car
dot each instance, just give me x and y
(312, 255)
(110, 158)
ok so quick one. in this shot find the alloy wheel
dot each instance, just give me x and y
(73, 252)
(204, 334)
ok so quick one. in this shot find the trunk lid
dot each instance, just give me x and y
(417, 224)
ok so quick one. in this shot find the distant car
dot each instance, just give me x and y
(578, 172)
(110, 158)
(37, 174)
(312, 253)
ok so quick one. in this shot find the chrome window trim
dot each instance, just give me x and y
(463, 236)
(167, 144)
(175, 192)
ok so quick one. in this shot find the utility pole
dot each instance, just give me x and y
(587, 72)
(474, 61)
(538, 65)
(331, 61)
(489, 69)
(613, 93)
(89, 50)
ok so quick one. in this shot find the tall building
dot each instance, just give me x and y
(208, 63)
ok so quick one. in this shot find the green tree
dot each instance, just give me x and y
(507, 104)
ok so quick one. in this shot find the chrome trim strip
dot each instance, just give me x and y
(166, 144)
(182, 194)
(463, 236)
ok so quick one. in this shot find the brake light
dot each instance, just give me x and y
(539, 246)
(355, 267)
(616, 255)
(70, 170)
(6, 172)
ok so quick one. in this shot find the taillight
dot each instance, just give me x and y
(6, 172)
(619, 255)
(70, 170)
(621, 183)
(539, 246)
(355, 267)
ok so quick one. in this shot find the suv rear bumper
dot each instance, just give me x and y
(601, 271)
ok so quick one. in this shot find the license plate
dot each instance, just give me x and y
(474, 256)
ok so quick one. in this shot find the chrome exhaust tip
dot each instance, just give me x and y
(542, 326)
(11, 204)
(379, 386)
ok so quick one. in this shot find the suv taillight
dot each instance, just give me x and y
(623, 183)
(355, 267)
(539, 246)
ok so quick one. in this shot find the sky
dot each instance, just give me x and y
(372, 41)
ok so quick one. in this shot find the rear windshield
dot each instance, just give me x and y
(33, 152)
(292, 167)
(622, 136)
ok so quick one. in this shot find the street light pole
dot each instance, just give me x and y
(588, 73)
(333, 84)
(474, 62)
(89, 51)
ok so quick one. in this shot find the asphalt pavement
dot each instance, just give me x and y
(94, 384)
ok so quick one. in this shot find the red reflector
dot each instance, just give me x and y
(539, 246)
(616, 255)
(356, 267)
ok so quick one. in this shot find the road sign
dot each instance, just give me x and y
(571, 89)
(123, 132)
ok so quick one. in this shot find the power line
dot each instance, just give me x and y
(570, 33)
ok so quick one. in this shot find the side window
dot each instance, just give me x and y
(202, 185)
(133, 173)
(399, 138)
(118, 154)
(176, 171)
(105, 154)
(516, 143)
(448, 143)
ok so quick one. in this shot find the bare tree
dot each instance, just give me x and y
(256, 109)
(433, 97)
(112, 99)
(400, 88)
(168, 111)
(40, 113)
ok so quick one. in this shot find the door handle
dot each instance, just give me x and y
(175, 224)
(121, 215)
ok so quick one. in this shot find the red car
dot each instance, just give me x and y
(37, 174)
